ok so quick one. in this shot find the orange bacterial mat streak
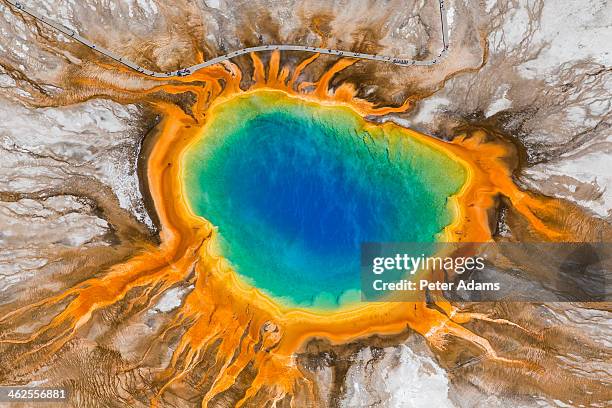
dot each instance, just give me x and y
(244, 330)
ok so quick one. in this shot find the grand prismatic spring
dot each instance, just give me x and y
(295, 187)
(263, 196)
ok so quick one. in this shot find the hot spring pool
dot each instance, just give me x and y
(295, 187)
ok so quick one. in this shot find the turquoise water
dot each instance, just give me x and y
(294, 189)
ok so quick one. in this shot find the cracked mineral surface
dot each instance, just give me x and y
(111, 290)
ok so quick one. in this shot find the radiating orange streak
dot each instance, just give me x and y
(323, 84)
(496, 175)
(232, 85)
(273, 67)
(406, 105)
(282, 78)
(298, 70)
(346, 93)
(259, 75)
